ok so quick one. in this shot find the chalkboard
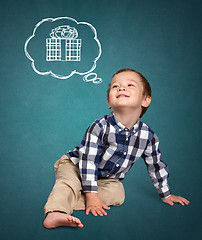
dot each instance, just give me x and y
(45, 115)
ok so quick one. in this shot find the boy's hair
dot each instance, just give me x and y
(146, 86)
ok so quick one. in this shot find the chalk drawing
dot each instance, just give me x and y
(72, 46)
(94, 78)
(64, 41)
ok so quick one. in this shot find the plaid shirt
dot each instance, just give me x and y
(109, 149)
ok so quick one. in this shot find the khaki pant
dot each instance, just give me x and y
(67, 194)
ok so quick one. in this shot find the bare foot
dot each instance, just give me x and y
(58, 219)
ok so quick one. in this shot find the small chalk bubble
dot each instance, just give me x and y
(92, 77)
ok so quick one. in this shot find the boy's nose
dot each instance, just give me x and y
(122, 89)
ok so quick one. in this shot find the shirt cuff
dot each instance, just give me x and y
(89, 186)
(164, 191)
(163, 194)
(166, 196)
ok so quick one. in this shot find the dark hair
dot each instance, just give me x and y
(146, 86)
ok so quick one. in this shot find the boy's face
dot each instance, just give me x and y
(126, 91)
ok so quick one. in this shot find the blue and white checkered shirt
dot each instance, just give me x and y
(109, 149)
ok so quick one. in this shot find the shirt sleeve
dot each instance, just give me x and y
(89, 157)
(157, 169)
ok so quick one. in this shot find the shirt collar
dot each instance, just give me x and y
(119, 126)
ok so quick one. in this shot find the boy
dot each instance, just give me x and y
(89, 176)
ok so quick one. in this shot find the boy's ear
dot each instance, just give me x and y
(146, 101)
(109, 106)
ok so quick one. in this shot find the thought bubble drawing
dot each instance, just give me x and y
(62, 47)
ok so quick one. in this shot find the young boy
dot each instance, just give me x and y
(89, 176)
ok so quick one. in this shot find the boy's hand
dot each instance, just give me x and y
(175, 199)
(95, 205)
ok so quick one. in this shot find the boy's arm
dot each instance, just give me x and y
(159, 173)
(89, 155)
(90, 151)
(95, 205)
(157, 169)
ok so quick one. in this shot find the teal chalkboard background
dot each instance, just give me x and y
(43, 117)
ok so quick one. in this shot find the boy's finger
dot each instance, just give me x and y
(180, 202)
(94, 212)
(105, 207)
(87, 211)
(103, 212)
(168, 201)
(99, 212)
(185, 201)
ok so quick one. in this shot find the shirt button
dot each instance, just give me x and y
(107, 175)
(117, 165)
(124, 153)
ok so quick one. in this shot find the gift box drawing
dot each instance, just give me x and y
(63, 45)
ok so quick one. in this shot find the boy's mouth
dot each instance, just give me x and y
(122, 95)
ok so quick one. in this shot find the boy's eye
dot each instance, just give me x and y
(131, 85)
(114, 86)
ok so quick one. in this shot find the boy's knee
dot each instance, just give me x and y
(64, 159)
(111, 192)
(120, 194)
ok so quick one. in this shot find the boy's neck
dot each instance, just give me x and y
(127, 118)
